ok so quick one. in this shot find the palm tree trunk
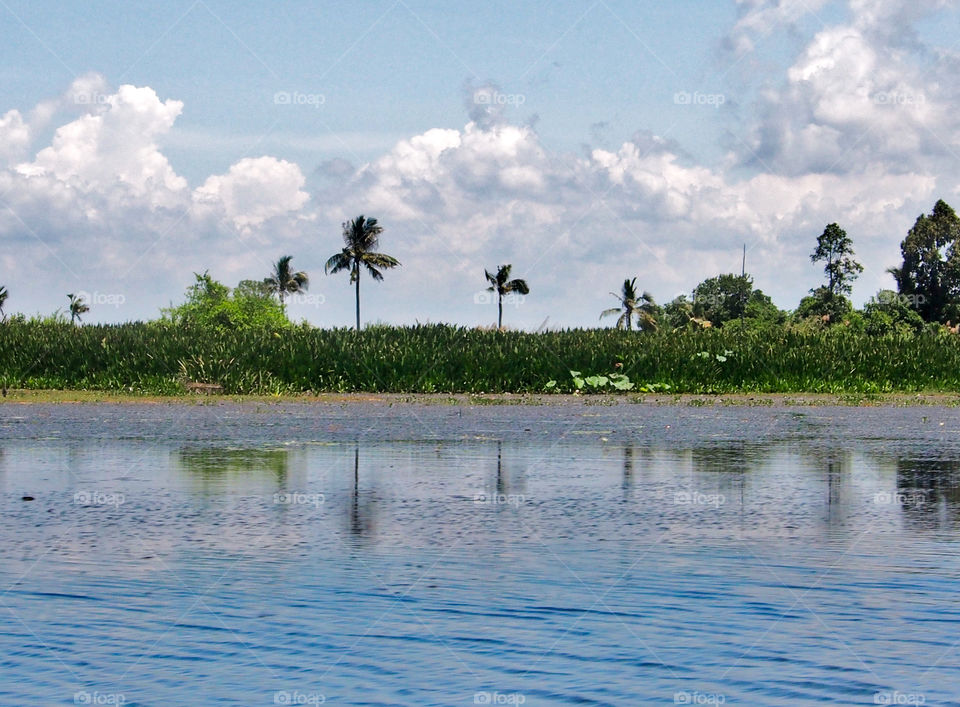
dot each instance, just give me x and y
(499, 311)
(358, 298)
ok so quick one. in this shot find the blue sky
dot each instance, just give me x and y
(584, 142)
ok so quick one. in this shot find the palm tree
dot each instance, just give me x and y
(3, 300)
(77, 307)
(503, 285)
(642, 307)
(361, 236)
(284, 281)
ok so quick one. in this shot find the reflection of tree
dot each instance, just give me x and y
(215, 463)
(837, 475)
(505, 482)
(362, 506)
(929, 491)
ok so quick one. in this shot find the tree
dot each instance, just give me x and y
(929, 275)
(77, 307)
(503, 285)
(211, 304)
(729, 297)
(888, 312)
(3, 300)
(283, 280)
(835, 248)
(643, 308)
(361, 237)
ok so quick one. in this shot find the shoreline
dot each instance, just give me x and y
(68, 397)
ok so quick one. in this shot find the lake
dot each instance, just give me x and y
(379, 553)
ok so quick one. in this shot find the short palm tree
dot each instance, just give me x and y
(642, 308)
(3, 300)
(503, 285)
(284, 281)
(77, 307)
(361, 237)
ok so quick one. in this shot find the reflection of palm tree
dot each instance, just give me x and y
(501, 483)
(361, 516)
(627, 467)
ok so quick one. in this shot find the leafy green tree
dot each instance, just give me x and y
(3, 300)
(731, 297)
(211, 304)
(930, 271)
(890, 312)
(835, 249)
(361, 237)
(823, 305)
(503, 285)
(77, 307)
(678, 312)
(283, 280)
(633, 306)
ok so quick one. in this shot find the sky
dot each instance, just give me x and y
(583, 142)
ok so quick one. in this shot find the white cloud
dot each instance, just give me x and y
(253, 191)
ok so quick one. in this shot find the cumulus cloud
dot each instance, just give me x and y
(854, 97)
(854, 133)
(253, 191)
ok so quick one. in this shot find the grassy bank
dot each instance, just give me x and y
(156, 358)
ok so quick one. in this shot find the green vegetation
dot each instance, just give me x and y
(160, 357)
(729, 338)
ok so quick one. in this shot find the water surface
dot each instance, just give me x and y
(434, 555)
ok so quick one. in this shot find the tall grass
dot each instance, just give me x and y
(160, 358)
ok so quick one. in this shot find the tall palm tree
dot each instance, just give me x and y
(77, 307)
(283, 280)
(3, 300)
(641, 307)
(361, 237)
(503, 285)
